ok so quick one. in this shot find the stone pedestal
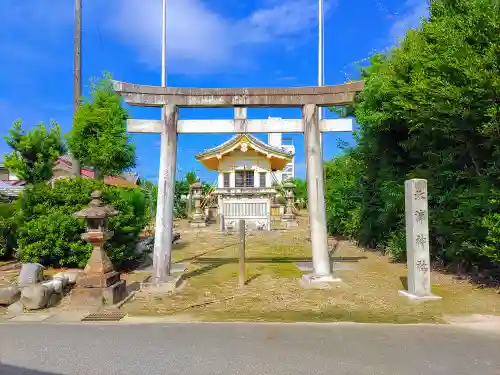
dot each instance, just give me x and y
(161, 287)
(198, 223)
(289, 222)
(417, 241)
(95, 296)
(318, 281)
(93, 288)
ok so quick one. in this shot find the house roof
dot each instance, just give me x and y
(278, 156)
(10, 190)
(126, 179)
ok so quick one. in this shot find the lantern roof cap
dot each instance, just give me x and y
(196, 185)
(96, 209)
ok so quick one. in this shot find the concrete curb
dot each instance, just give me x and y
(484, 323)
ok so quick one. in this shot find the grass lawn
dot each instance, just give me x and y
(368, 293)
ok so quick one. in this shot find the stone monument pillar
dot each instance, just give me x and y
(288, 218)
(417, 241)
(100, 283)
(198, 217)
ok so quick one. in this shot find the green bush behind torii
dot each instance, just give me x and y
(430, 109)
(48, 233)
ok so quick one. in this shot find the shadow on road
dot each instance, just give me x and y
(14, 370)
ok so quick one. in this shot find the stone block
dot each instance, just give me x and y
(96, 296)
(162, 287)
(16, 308)
(64, 279)
(54, 285)
(9, 294)
(98, 280)
(31, 273)
(54, 299)
(34, 297)
(70, 275)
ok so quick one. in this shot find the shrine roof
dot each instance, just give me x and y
(278, 156)
(240, 138)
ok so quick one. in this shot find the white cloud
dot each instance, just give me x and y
(411, 18)
(199, 38)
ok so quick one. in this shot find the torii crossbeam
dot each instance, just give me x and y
(308, 98)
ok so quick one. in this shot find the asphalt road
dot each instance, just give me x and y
(192, 349)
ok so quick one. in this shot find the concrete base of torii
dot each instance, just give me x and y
(313, 281)
(414, 297)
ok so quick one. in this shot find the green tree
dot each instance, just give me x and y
(99, 135)
(430, 109)
(191, 177)
(34, 152)
(300, 190)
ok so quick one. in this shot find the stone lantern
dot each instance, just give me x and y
(198, 217)
(99, 283)
(288, 217)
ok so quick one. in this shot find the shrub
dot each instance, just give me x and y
(428, 109)
(7, 230)
(48, 233)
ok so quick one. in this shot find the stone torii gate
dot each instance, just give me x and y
(172, 98)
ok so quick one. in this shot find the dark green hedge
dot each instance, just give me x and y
(430, 109)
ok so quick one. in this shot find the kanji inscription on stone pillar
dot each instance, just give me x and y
(417, 241)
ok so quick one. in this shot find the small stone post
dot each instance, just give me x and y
(417, 241)
(241, 261)
(198, 217)
(288, 218)
(221, 223)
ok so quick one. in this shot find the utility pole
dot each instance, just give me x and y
(321, 76)
(77, 73)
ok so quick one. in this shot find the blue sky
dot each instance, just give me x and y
(211, 43)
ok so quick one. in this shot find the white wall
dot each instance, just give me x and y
(239, 160)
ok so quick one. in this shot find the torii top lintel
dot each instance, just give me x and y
(156, 96)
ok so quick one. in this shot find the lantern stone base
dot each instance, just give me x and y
(94, 280)
(198, 223)
(289, 221)
(96, 296)
(96, 289)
